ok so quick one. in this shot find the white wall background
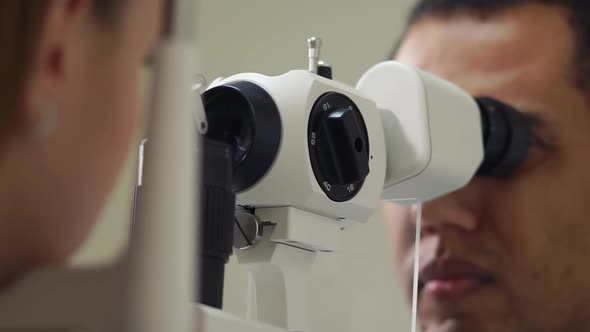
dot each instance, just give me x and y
(354, 289)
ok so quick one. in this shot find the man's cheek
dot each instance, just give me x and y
(526, 230)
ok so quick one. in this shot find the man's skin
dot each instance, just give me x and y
(528, 235)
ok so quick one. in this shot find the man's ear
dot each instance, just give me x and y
(50, 61)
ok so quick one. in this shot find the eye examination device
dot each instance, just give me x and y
(311, 157)
(271, 169)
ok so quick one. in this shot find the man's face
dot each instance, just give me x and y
(506, 254)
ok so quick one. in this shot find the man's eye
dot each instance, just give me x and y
(540, 132)
(542, 144)
(539, 142)
(540, 150)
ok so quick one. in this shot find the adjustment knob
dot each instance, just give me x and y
(341, 143)
(339, 146)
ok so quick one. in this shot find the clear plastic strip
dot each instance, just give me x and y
(416, 268)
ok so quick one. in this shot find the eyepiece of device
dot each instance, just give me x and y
(244, 115)
(240, 146)
(506, 138)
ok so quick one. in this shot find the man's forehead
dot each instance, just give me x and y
(523, 48)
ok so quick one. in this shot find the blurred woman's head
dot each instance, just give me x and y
(68, 109)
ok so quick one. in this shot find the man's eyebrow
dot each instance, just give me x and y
(542, 130)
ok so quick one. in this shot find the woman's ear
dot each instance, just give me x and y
(52, 62)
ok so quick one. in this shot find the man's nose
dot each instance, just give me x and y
(458, 210)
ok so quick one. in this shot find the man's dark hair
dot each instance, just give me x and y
(577, 10)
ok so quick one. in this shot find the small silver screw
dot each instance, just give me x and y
(314, 45)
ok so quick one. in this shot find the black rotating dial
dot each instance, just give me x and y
(339, 146)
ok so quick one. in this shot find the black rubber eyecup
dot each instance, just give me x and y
(246, 116)
(506, 138)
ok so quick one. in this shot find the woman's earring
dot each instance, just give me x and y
(46, 120)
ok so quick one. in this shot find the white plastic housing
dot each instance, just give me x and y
(432, 129)
(291, 181)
